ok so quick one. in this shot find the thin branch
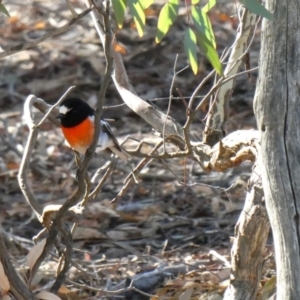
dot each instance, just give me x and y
(221, 81)
(71, 9)
(130, 179)
(67, 257)
(198, 88)
(226, 79)
(170, 98)
(49, 112)
(44, 107)
(225, 54)
(109, 168)
(24, 166)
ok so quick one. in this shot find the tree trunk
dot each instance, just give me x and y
(277, 109)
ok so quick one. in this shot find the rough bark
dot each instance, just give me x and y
(250, 237)
(278, 118)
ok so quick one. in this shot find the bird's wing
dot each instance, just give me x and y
(106, 129)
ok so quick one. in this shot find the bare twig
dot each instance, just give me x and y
(22, 175)
(49, 112)
(220, 257)
(175, 73)
(130, 179)
(170, 101)
(225, 54)
(198, 88)
(109, 168)
(220, 82)
(204, 100)
(66, 257)
(72, 10)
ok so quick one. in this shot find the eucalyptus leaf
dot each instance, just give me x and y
(166, 19)
(119, 7)
(257, 8)
(190, 47)
(138, 13)
(4, 10)
(210, 52)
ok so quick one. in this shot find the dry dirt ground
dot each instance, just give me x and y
(159, 223)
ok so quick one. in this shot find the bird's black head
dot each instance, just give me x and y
(73, 111)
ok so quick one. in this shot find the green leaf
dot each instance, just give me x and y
(166, 19)
(119, 7)
(210, 52)
(147, 3)
(209, 5)
(257, 8)
(268, 289)
(137, 11)
(190, 47)
(4, 10)
(203, 25)
(195, 1)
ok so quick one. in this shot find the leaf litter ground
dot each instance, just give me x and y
(172, 239)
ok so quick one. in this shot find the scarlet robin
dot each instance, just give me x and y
(77, 124)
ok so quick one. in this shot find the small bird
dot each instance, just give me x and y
(77, 124)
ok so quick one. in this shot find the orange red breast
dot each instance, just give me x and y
(80, 136)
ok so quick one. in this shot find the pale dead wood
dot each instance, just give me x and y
(53, 107)
(44, 107)
(235, 148)
(22, 175)
(249, 242)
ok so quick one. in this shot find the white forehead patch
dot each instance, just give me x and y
(63, 109)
